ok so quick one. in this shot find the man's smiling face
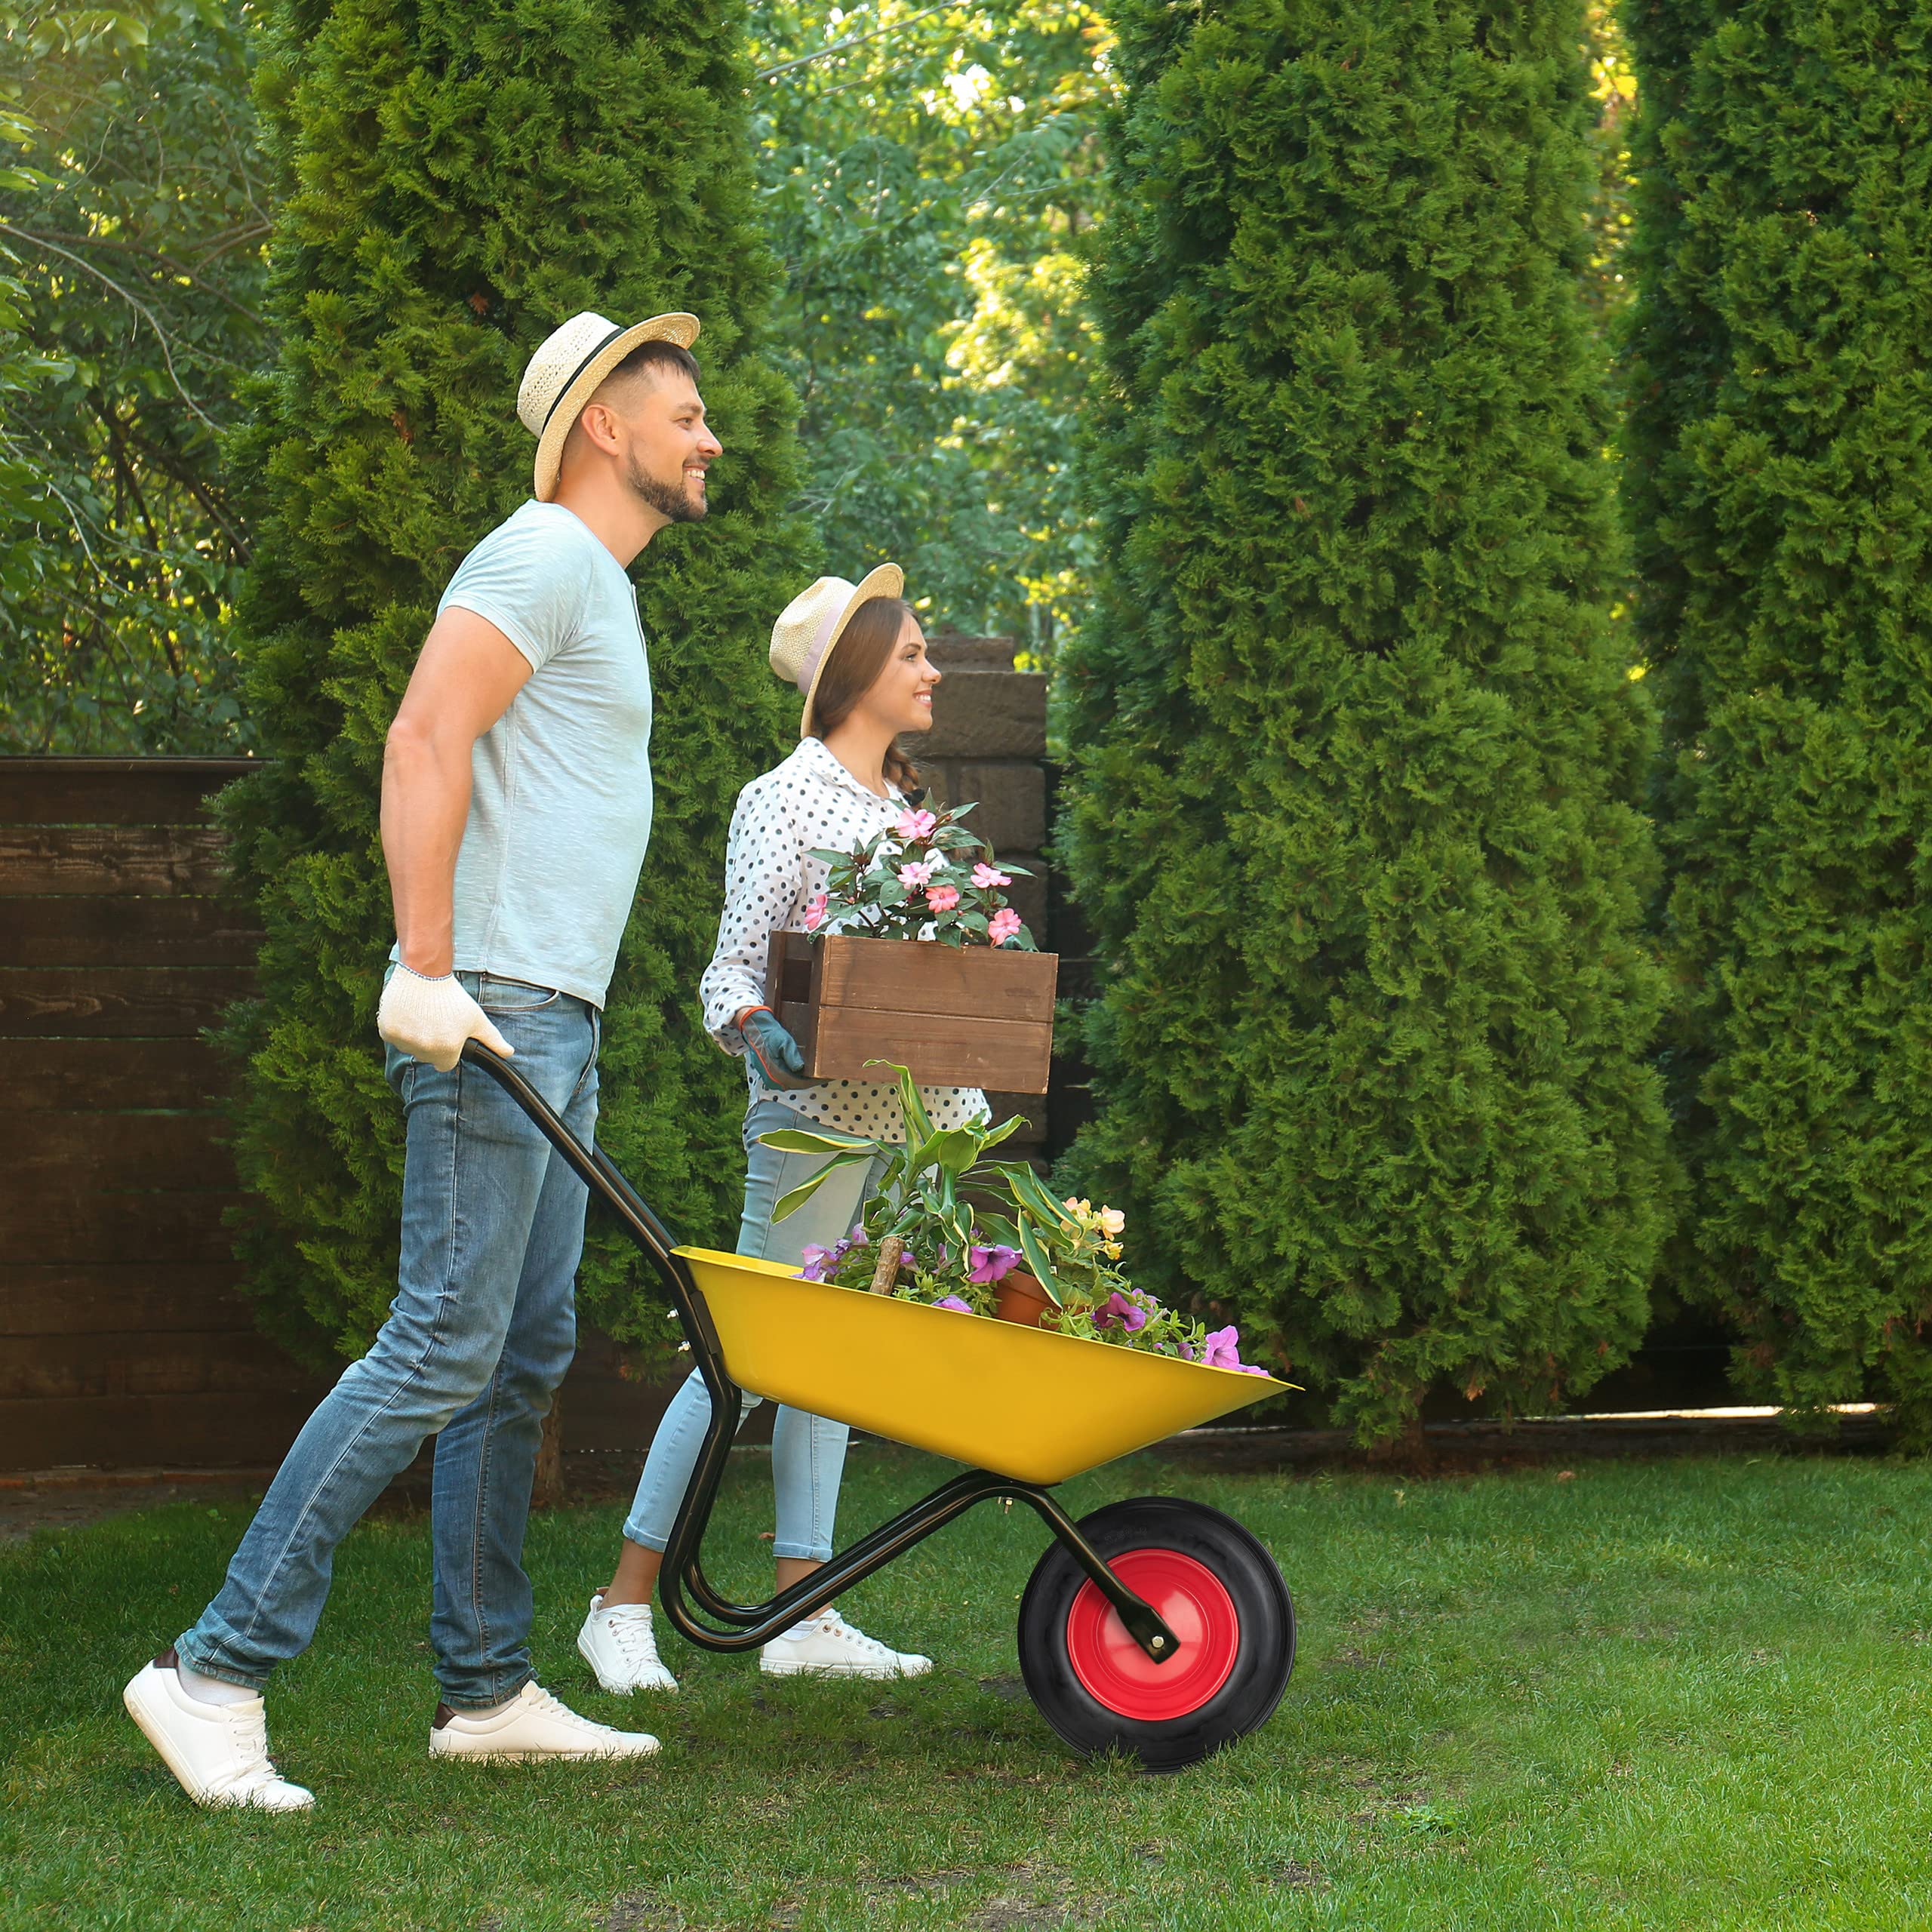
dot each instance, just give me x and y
(667, 445)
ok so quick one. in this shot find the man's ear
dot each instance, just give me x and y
(598, 426)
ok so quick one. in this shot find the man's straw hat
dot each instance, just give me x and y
(814, 621)
(564, 374)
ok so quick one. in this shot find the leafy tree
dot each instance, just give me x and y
(133, 220)
(1355, 752)
(928, 174)
(453, 181)
(1781, 499)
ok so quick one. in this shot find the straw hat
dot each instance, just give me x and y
(564, 374)
(814, 621)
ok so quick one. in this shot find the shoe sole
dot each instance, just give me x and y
(619, 1690)
(153, 1731)
(539, 1756)
(863, 1672)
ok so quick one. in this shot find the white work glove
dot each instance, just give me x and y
(430, 1020)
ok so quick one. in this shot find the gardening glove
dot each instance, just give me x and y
(430, 1019)
(775, 1050)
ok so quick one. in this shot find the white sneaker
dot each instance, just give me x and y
(619, 1645)
(828, 1646)
(219, 1752)
(532, 1724)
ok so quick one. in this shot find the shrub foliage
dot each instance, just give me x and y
(1782, 498)
(1356, 754)
(455, 180)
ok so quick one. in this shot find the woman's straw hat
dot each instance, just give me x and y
(814, 621)
(564, 374)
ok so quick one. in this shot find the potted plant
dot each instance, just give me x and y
(971, 1006)
(927, 1234)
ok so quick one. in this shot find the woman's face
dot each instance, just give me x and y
(901, 696)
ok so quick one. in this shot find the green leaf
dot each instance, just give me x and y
(800, 1195)
(820, 1140)
(1035, 1252)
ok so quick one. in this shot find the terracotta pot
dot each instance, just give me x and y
(1021, 1299)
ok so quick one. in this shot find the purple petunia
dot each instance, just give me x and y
(1130, 1315)
(1223, 1351)
(953, 1301)
(819, 1262)
(993, 1264)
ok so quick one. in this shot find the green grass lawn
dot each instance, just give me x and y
(1685, 1694)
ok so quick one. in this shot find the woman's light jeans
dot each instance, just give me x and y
(807, 1452)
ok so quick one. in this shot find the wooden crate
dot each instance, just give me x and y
(958, 1017)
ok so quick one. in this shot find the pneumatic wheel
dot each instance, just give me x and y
(1218, 1590)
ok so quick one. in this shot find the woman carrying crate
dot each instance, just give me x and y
(858, 656)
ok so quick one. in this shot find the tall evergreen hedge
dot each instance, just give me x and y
(1782, 495)
(457, 180)
(1356, 754)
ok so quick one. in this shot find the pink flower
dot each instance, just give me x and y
(941, 898)
(915, 825)
(1223, 1348)
(984, 875)
(819, 1262)
(815, 912)
(915, 875)
(1003, 925)
(954, 1301)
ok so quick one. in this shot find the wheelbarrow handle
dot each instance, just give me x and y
(592, 1165)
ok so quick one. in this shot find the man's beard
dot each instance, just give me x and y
(668, 500)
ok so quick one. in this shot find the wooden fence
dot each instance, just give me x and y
(124, 1337)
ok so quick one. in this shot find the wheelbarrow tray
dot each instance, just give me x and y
(1022, 1402)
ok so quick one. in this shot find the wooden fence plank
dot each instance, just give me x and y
(250, 1429)
(113, 1152)
(69, 1225)
(103, 1297)
(116, 860)
(89, 1366)
(66, 1002)
(113, 791)
(126, 932)
(70, 1075)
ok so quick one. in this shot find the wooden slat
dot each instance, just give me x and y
(57, 1002)
(102, 1298)
(113, 1152)
(115, 859)
(56, 931)
(249, 1428)
(902, 975)
(112, 791)
(89, 1366)
(72, 1075)
(940, 1049)
(69, 1225)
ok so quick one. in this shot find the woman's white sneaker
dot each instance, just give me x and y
(532, 1724)
(619, 1644)
(219, 1752)
(828, 1646)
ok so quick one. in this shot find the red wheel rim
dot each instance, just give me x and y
(1195, 1606)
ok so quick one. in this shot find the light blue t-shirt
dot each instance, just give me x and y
(560, 810)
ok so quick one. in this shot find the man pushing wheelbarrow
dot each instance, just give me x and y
(516, 807)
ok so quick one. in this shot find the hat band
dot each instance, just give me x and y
(575, 374)
(814, 656)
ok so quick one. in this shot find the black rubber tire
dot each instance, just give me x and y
(1264, 1657)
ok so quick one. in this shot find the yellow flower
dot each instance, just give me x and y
(1111, 1250)
(1112, 1220)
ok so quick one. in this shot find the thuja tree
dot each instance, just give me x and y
(1783, 497)
(457, 179)
(1356, 753)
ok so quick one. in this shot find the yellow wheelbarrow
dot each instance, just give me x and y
(1156, 1626)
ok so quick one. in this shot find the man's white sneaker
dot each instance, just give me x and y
(219, 1752)
(828, 1646)
(532, 1724)
(619, 1644)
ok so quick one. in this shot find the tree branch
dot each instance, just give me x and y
(839, 46)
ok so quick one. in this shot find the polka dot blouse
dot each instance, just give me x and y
(769, 874)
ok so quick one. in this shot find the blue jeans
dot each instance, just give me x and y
(482, 1329)
(807, 1452)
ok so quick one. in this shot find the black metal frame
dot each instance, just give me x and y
(683, 1572)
